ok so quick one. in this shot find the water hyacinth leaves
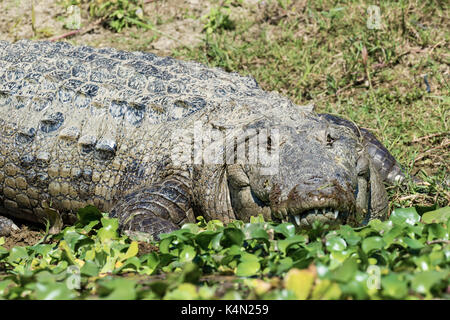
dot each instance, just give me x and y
(372, 243)
(405, 215)
(336, 244)
(300, 282)
(248, 266)
(405, 257)
(437, 216)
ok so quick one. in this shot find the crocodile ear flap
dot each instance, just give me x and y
(378, 195)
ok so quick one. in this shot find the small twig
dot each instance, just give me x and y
(429, 136)
(65, 35)
(79, 31)
(438, 241)
(424, 154)
(436, 45)
(410, 197)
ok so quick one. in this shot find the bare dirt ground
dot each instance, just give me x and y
(26, 236)
(177, 22)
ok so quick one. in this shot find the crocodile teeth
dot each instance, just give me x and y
(278, 214)
(297, 220)
(336, 214)
(316, 211)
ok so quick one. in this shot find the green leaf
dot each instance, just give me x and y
(372, 243)
(118, 289)
(109, 229)
(284, 245)
(204, 239)
(42, 249)
(346, 271)
(401, 216)
(394, 286)
(215, 242)
(232, 236)
(89, 269)
(255, 231)
(423, 282)
(67, 253)
(132, 251)
(164, 245)
(286, 229)
(335, 244)
(191, 273)
(72, 237)
(357, 286)
(381, 226)
(131, 264)
(185, 291)
(413, 243)
(247, 268)
(259, 220)
(436, 231)
(53, 291)
(191, 227)
(3, 252)
(390, 236)
(87, 228)
(153, 260)
(326, 290)
(4, 285)
(349, 235)
(437, 216)
(17, 253)
(88, 215)
(300, 282)
(187, 254)
(284, 265)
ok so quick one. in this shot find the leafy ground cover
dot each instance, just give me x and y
(406, 257)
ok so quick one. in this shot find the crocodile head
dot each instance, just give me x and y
(312, 170)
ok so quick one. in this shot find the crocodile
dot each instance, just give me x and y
(156, 142)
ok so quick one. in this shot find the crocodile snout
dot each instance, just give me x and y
(329, 202)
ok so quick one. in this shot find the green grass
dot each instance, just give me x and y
(314, 54)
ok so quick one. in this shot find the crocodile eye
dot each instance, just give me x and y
(329, 139)
(266, 184)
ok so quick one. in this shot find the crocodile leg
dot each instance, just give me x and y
(158, 208)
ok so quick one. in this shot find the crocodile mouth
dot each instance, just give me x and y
(306, 218)
(334, 206)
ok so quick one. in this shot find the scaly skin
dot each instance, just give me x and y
(82, 126)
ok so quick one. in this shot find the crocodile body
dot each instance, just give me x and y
(82, 126)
